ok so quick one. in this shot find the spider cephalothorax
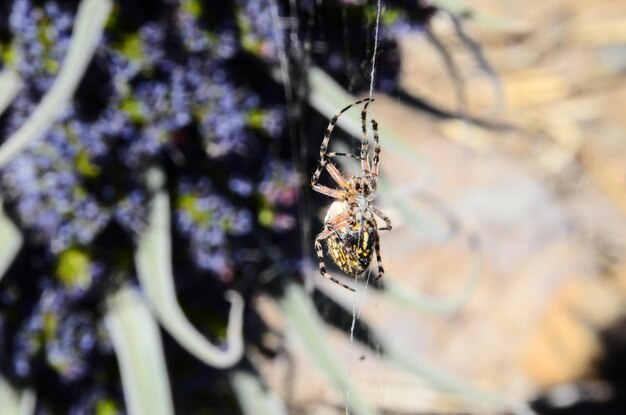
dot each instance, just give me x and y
(350, 227)
(361, 187)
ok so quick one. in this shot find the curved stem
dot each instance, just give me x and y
(305, 324)
(453, 72)
(253, 397)
(10, 86)
(139, 350)
(153, 261)
(12, 241)
(14, 401)
(90, 20)
(427, 303)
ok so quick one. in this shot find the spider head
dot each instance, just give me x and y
(363, 188)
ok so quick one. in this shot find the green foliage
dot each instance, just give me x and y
(73, 268)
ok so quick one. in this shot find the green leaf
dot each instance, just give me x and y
(193, 7)
(85, 166)
(153, 261)
(73, 268)
(131, 48)
(90, 19)
(139, 350)
(305, 324)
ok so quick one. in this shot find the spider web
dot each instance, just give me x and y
(294, 80)
(295, 96)
(356, 315)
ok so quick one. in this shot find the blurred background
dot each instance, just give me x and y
(157, 222)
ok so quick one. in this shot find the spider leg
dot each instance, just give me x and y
(335, 154)
(340, 221)
(324, 155)
(376, 149)
(334, 193)
(336, 175)
(384, 217)
(364, 142)
(333, 122)
(320, 258)
(379, 261)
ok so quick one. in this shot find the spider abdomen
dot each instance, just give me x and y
(351, 248)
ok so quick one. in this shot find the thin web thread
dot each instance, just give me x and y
(373, 73)
(355, 315)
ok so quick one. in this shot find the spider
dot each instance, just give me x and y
(350, 228)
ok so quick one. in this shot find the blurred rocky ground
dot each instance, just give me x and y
(535, 168)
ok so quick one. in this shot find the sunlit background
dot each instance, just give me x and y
(157, 225)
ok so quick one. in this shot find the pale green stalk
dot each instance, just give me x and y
(139, 350)
(153, 261)
(254, 397)
(90, 20)
(10, 85)
(11, 242)
(305, 324)
(16, 402)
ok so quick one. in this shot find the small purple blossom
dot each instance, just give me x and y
(209, 220)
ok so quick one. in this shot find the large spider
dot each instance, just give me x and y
(350, 227)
